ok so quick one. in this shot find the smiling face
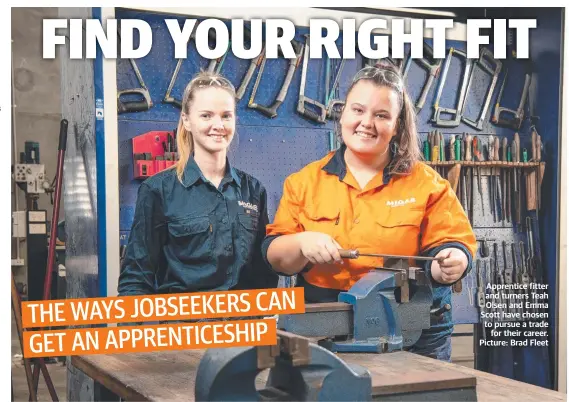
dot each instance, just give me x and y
(369, 119)
(211, 120)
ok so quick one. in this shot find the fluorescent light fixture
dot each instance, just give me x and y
(423, 11)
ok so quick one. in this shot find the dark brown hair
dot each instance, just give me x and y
(405, 143)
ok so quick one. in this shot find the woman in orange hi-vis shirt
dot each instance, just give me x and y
(372, 194)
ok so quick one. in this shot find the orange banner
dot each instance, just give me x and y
(170, 307)
(150, 338)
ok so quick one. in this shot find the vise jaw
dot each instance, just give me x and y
(385, 311)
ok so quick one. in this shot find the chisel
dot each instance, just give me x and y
(498, 196)
(477, 156)
(491, 178)
(468, 172)
(505, 181)
(517, 180)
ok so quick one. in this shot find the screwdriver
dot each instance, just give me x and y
(353, 254)
(491, 178)
(477, 151)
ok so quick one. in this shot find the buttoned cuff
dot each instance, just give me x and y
(434, 251)
(264, 250)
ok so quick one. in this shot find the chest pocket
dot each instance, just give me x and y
(247, 227)
(191, 239)
(321, 218)
(401, 230)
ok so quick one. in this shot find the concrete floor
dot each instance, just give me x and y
(57, 372)
(462, 354)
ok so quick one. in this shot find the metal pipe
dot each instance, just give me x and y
(55, 217)
(51, 248)
(14, 146)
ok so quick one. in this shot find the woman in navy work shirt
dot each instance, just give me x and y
(199, 226)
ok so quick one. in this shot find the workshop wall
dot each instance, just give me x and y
(37, 91)
(271, 149)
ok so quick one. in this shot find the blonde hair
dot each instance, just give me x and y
(405, 143)
(184, 139)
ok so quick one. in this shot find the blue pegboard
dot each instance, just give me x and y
(271, 149)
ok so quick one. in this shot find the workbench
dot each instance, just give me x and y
(161, 376)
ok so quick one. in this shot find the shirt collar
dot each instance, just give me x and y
(337, 165)
(192, 173)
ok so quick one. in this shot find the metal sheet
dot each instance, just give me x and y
(80, 190)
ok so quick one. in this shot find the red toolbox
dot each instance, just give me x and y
(153, 152)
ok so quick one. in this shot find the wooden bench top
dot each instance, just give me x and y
(171, 375)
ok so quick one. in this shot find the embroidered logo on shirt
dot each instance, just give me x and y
(248, 205)
(399, 203)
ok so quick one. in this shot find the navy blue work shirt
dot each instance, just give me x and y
(191, 236)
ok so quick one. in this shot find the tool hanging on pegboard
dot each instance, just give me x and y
(334, 104)
(458, 110)
(490, 66)
(511, 118)
(303, 100)
(431, 65)
(271, 111)
(256, 62)
(212, 67)
(513, 175)
(137, 105)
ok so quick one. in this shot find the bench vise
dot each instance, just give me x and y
(385, 311)
(299, 371)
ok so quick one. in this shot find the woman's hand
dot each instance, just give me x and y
(319, 248)
(451, 268)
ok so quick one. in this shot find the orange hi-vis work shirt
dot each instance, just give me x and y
(411, 215)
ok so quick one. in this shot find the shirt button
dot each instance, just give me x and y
(224, 220)
(228, 247)
(357, 221)
(218, 195)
